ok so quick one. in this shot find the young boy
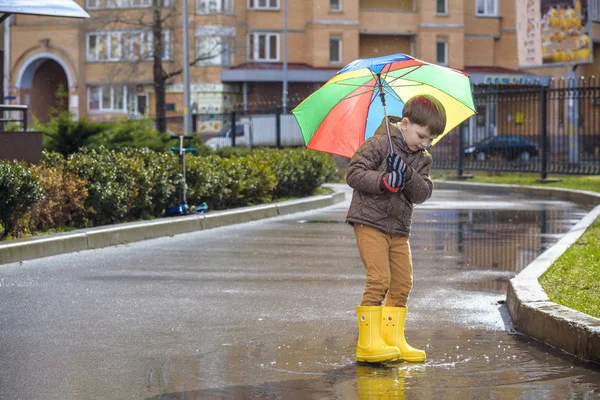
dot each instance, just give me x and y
(385, 188)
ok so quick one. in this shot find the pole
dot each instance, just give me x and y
(461, 130)
(182, 160)
(284, 95)
(6, 61)
(186, 72)
(544, 132)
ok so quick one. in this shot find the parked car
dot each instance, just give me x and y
(260, 130)
(509, 147)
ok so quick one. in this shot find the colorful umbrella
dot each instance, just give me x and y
(346, 111)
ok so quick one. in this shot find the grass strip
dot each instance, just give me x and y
(576, 182)
(573, 279)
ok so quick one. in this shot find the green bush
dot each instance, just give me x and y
(19, 189)
(102, 186)
(161, 175)
(63, 203)
(299, 172)
(124, 133)
(125, 186)
(229, 182)
(65, 136)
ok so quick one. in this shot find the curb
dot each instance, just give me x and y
(104, 236)
(528, 305)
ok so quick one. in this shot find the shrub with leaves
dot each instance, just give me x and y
(65, 136)
(110, 183)
(126, 185)
(158, 177)
(299, 172)
(229, 182)
(63, 203)
(124, 133)
(19, 189)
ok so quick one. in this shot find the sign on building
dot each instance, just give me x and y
(553, 32)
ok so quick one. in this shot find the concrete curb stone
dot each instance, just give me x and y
(528, 305)
(104, 236)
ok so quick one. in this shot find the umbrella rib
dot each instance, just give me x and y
(421, 83)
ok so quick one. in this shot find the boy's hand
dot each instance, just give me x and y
(395, 163)
(394, 181)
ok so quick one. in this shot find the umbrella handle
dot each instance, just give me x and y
(388, 187)
(387, 127)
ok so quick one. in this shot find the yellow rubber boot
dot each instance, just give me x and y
(392, 331)
(370, 347)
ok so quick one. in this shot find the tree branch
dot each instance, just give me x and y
(206, 56)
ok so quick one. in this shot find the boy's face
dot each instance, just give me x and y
(417, 137)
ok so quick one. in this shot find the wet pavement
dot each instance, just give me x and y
(266, 310)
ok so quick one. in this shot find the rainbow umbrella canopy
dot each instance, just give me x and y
(346, 111)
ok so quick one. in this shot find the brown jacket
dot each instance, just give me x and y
(372, 204)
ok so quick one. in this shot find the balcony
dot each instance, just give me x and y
(388, 21)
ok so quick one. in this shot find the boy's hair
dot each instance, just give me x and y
(427, 111)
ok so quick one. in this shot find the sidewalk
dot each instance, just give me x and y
(112, 235)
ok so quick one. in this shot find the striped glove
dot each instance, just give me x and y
(396, 163)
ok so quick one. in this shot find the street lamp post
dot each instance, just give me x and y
(187, 122)
(285, 55)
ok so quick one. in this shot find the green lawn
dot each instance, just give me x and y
(583, 182)
(573, 279)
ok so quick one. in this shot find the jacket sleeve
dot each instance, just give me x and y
(419, 185)
(363, 171)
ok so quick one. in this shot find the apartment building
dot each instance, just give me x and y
(105, 66)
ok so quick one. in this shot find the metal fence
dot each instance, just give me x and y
(533, 128)
(540, 129)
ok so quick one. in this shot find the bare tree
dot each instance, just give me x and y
(162, 16)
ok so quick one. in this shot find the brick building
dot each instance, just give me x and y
(104, 62)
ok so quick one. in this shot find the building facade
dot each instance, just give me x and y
(104, 64)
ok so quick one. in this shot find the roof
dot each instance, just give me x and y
(278, 66)
(273, 72)
(55, 8)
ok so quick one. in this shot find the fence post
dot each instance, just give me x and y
(233, 129)
(460, 151)
(544, 132)
(278, 127)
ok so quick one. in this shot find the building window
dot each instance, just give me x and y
(214, 6)
(442, 52)
(124, 46)
(263, 47)
(263, 4)
(335, 5)
(487, 8)
(214, 45)
(594, 5)
(335, 49)
(107, 98)
(104, 4)
(442, 7)
(166, 42)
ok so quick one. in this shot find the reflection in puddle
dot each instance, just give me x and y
(492, 245)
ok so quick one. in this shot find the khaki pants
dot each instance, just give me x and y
(389, 266)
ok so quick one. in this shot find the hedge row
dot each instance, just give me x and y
(102, 186)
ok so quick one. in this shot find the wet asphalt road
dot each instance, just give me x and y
(266, 310)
